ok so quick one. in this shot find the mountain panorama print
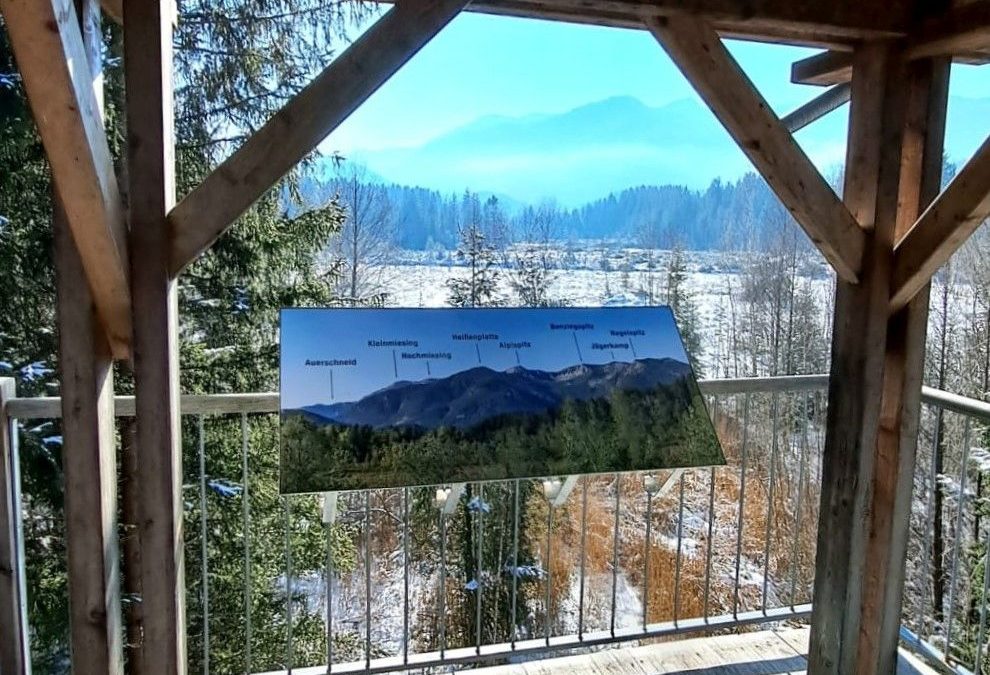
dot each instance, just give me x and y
(374, 398)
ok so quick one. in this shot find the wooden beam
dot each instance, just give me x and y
(835, 67)
(855, 388)
(89, 446)
(904, 368)
(14, 655)
(815, 109)
(829, 24)
(895, 140)
(962, 30)
(825, 70)
(707, 64)
(151, 178)
(113, 9)
(48, 44)
(302, 124)
(90, 468)
(943, 228)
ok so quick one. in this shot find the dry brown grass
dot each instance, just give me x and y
(791, 545)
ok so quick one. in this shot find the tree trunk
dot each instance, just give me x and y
(131, 545)
(938, 461)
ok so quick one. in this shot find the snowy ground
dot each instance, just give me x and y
(595, 275)
(592, 276)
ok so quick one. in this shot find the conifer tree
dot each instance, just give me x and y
(480, 287)
(229, 304)
(682, 303)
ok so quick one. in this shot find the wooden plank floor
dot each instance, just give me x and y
(772, 652)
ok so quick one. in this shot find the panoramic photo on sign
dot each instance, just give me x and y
(401, 397)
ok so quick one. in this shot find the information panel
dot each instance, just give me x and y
(402, 397)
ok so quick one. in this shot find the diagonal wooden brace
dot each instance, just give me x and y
(699, 53)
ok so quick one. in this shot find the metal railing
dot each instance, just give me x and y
(408, 578)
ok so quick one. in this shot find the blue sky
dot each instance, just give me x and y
(343, 334)
(485, 65)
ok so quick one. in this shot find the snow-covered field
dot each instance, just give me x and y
(737, 517)
(592, 276)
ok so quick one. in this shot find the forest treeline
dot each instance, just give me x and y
(728, 215)
(664, 427)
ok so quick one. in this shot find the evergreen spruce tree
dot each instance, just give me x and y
(480, 287)
(682, 302)
(229, 303)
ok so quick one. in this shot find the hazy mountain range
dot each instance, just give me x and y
(607, 146)
(472, 396)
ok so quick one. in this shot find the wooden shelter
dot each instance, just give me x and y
(118, 262)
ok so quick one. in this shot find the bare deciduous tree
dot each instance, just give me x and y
(364, 248)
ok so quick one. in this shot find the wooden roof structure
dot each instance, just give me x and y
(117, 262)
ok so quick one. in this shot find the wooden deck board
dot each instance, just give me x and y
(772, 652)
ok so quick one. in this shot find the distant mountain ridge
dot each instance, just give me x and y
(470, 397)
(607, 146)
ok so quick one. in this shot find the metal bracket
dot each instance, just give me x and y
(329, 508)
(447, 497)
(656, 489)
(557, 492)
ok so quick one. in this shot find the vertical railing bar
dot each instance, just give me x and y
(774, 412)
(17, 552)
(329, 574)
(615, 553)
(799, 500)
(978, 666)
(647, 546)
(711, 522)
(708, 553)
(288, 586)
(677, 566)
(547, 609)
(742, 502)
(958, 537)
(584, 539)
(204, 558)
(405, 575)
(246, 523)
(443, 582)
(367, 579)
(515, 558)
(930, 529)
(480, 570)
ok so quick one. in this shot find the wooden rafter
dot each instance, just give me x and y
(812, 111)
(942, 228)
(963, 31)
(114, 9)
(704, 60)
(49, 48)
(826, 69)
(831, 68)
(302, 124)
(836, 23)
(963, 34)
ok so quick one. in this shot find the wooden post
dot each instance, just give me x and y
(89, 463)
(150, 169)
(900, 410)
(14, 657)
(893, 168)
(89, 453)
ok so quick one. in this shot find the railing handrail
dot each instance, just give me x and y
(268, 403)
(50, 407)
